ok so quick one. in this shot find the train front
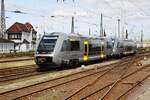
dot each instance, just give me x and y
(45, 51)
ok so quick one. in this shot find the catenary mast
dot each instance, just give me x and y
(2, 21)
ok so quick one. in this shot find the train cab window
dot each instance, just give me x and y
(47, 44)
(65, 46)
(74, 45)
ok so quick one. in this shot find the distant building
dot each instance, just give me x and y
(24, 36)
(6, 46)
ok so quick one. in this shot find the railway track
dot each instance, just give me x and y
(93, 75)
(106, 91)
(58, 82)
(123, 85)
(39, 87)
(13, 73)
(118, 89)
(101, 83)
(14, 60)
(8, 74)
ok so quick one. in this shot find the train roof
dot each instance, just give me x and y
(75, 35)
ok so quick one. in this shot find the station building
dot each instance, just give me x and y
(23, 35)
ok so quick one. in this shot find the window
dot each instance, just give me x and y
(119, 45)
(109, 45)
(19, 36)
(74, 45)
(47, 44)
(70, 46)
(94, 49)
(65, 46)
(13, 36)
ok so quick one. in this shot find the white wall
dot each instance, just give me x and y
(26, 35)
(25, 47)
(6, 47)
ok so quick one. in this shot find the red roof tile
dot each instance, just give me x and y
(19, 28)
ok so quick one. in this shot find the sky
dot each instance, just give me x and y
(52, 16)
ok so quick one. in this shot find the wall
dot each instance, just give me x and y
(6, 47)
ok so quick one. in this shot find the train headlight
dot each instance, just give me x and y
(102, 56)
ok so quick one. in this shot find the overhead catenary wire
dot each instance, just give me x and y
(39, 13)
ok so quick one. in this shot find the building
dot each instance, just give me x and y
(24, 36)
(6, 46)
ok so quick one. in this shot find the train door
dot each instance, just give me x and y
(85, 57)
(103, 49)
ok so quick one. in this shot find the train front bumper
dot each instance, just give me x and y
(45, 61)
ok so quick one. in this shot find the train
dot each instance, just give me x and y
(61, 49)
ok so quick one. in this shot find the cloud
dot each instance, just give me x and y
(71, 12)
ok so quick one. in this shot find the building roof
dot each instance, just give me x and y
(5, 41)
(19, 28)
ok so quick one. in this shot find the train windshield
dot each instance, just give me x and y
(47, 44)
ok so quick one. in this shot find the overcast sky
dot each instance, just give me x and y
(134, 15)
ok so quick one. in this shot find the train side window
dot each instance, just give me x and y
(119, 45)
(74, 45)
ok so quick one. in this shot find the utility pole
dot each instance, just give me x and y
(72, 25)
(104, 33)
(118, 28)
(142, 38)
(126, 34)
(101, 26)
(2, 21)
(89, 32)
(122, 35)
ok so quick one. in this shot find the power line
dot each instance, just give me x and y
(140, 10)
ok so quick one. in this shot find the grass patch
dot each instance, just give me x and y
(17, 54)
(16, 64)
